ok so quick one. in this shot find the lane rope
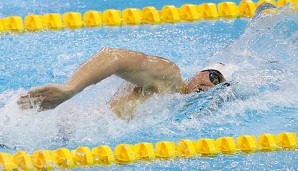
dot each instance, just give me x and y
(103, 155)
(135, 16)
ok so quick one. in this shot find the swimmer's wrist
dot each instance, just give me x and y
(71, 90)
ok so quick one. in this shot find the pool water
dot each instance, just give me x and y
(263, 55)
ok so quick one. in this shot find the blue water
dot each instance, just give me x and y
(262, 98)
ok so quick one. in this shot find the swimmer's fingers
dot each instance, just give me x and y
(46, 106)
(24, 104)
(28, 95)
(45, 97)
(38, 91)
(33, 100)
(29, 98)
(29, 103)
(40, 109)
(33, 97)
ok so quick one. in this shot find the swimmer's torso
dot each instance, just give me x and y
(164, 78)
(127, 98)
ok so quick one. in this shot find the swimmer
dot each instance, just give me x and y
(149, 75)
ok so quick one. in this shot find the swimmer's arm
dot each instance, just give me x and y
(134, 67)
(100, 66)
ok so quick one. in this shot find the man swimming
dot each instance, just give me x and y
(148, 74)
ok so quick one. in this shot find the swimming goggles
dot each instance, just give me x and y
(213, 76)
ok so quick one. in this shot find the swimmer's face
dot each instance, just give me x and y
(203, 80)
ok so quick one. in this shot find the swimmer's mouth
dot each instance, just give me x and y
(226, 84)
(199, 90)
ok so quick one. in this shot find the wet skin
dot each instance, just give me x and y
(149, 75)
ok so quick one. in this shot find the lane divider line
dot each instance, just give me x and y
(134, 16)
(103, 155)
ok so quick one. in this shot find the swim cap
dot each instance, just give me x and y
(227, 70)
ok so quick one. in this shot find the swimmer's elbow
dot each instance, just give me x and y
(107, 50)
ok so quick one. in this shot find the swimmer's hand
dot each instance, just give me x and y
(45, 97)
